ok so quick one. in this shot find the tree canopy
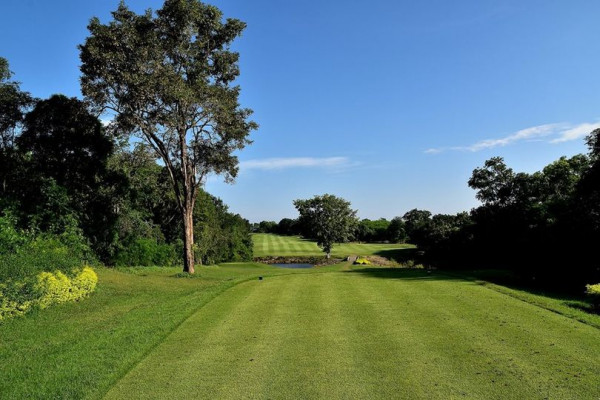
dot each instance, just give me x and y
(327, 219)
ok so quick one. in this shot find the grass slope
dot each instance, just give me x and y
(79, 350)
(370, 334)
(266, 244)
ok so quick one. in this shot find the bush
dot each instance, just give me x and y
(38, 255)
(45, 289)
(362, 261)
(594, 292)
(147, 252)
(10, 237)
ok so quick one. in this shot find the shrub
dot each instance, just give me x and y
(45, 289)
(594, 292)
(362, 261)
(40, 254)
(147, 252)
(10, 237)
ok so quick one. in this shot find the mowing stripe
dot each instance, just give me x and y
(356, 335)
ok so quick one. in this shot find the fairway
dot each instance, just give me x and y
(266, 244)
(367, 334)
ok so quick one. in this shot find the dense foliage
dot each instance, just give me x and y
(168, 77)
(72, 194)
(545, 226)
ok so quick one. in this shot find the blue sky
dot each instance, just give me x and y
(390, 104)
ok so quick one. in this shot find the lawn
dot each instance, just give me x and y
(266, 244)
(80, 349)
(363, 334)
(329, 332)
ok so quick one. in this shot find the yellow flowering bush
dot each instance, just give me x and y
(594, 292)
(45, 289)
(362, 261)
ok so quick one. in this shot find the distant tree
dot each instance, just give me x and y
(328, 218)
(287, 226)
(396, 230)
(267, 227)
(372, 230)
(416, 224)
(169, 79)
(494, 183)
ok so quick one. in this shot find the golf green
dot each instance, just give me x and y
(360, 334)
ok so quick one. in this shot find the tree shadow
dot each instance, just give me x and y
(399, 255)
(403, 274)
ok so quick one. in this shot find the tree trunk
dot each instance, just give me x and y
(188, 240)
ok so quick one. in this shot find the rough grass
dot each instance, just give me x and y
(266, 244)
(370, 334)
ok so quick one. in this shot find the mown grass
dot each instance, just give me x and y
(266, 244)
(318, 333)
(364, 334)
(79, 350)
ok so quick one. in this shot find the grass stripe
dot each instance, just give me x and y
(361, 335)
(275, 245)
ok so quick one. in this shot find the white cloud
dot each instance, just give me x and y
(294, 162)
(523, 134)
(560, 132)
(576, 132)
(105, 122)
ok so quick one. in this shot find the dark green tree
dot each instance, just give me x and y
(14, 104)
(66, 151)
(494, 183)
(416, 224)
(287, 226)
(328, 219)
(169, 79)
(396, 231)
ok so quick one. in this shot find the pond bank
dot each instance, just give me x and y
(316, 261)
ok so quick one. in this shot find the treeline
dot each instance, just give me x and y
(66, 176)
(544, 226)
(372, 231)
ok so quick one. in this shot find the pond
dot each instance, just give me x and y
(293, 265)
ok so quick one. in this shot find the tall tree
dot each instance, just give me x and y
(328, 219)
(169, 78)
(13, 106)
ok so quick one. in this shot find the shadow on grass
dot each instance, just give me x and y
(512, 281)
(404, 274)
(399, 255)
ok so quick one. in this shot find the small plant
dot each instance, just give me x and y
(362, 261)
(594, 292)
